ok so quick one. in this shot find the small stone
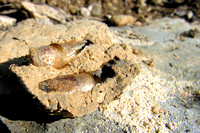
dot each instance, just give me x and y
(95, 9)
(158, 2)
(137, 23)
(122, 20)
(174, 125)
(84, 12)
(115, 1)
(169, 125)
(142, 3)
(109, 5)
(187, 105)
(73, 9)
(192, 33)
(180, 13)
(156, 110)
(39, 11)
(189, 15)
(146, 122)
(174, 105)
(6, 22)
(179, 1)
(128, 11)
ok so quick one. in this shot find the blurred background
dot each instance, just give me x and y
(61, 11)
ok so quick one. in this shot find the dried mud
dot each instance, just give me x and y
(96, 59)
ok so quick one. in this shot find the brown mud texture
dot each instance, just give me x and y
(96, 75)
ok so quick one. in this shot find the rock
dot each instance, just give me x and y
(179, 1)
(84, 12)
(158, 2)
(6, 22)
(141, 3)
(39, 1)
(95, 9)
(192, 33)
(156, 110)
(169, 125)
(138, 23)
(122, 20)
(73, 9)
(180, 13)
(190, 15)
(110, 68)
(41, 11)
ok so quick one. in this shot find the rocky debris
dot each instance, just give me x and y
(192, 33)
(110, 67)
(6, 22)
(95, 9)
(190, 15)
(142, 10)
(43, 11)
(84, 12)
(73, 9)
(122, 20)
(181, 11)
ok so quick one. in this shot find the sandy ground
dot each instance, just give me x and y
(164, 97)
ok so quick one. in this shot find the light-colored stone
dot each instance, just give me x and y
(73, 9)
(190, 15)
(6, 22)
(95, 9)
(84, 12)
(122, 20)
(41, 10)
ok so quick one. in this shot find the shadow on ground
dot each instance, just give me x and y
(15, 102)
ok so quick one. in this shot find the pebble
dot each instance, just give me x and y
(156, 110)
(73, 9)
(122, 20)
(43, 10)
(189, 15)
(84, 12)
(179, 1)
(6, 22)
(138, 23)
(95, 9)
(169, 125)
(180, 13)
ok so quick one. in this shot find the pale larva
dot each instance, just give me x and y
(68, 84)
(56, 55)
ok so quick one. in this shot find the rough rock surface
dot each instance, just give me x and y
(43, 12)
(6, 22)
(95, 9)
